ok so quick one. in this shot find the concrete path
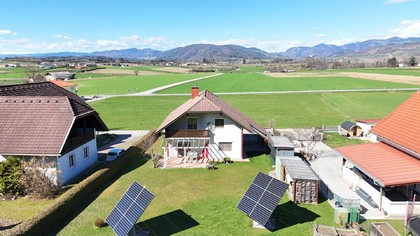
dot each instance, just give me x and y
(125, 138)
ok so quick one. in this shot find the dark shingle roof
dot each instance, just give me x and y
(46, 89)
(34, 125)
(206, 101)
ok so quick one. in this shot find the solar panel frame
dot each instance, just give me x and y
(129, 208)
(262, 197)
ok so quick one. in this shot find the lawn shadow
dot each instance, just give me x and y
(169, 223)
(289, 214)
(137, 161)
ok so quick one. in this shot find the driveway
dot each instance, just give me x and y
(124, 139)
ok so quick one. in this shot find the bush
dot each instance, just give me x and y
(10, 172)
(100, 222)
(36, 182)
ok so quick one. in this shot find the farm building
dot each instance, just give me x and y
(62, 75)
(388, 171)
(302, 180)
(206, 127)
(43, 120)
(350, 129)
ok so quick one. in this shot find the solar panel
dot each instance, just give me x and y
(262, 197)
(129, 209)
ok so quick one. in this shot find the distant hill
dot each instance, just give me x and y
(198, 52)
(375, 48)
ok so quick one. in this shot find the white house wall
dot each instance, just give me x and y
(81, 163)
(230, 132)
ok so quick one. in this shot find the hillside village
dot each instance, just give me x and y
(209, 145)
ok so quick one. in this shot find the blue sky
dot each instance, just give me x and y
(28, 26)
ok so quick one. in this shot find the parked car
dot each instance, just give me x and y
(113, 154)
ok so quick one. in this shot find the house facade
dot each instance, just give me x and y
(67, 85)
(45, 121)
(206, 127)
(387, 172)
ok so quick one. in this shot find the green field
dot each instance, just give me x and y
(287, 110)
(257, 82)
(129, 84)
(201, 202)
(412, 71)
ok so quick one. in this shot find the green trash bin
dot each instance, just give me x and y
(354, 215)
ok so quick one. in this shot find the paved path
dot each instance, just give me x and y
(125, 138)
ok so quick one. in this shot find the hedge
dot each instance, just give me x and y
(69, 201)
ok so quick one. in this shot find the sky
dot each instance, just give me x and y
(41, 26)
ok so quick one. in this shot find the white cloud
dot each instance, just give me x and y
(60, 36)
(407, 28)
(397, 1)
(321, 35)
(7, 32)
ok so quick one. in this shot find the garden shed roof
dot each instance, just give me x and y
(299, 169)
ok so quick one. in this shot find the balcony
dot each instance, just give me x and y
(78, 140)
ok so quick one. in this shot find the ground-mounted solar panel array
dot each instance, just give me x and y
(262, 197)
(129, 209)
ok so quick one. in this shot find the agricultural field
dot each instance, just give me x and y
(258, 82)
(129, 84)
(287, 110)
(192, 200)
(411, 71)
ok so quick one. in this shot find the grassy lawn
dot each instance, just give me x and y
(129, 84)
(200, 202)
(257, 82)
(334, 140)
(287, 110)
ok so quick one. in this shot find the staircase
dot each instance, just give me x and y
(215, 154)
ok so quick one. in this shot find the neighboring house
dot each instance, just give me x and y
(350, 129)
(62, 75)
(388, 172)
(67, 85)
(44, 120)
(207, 127)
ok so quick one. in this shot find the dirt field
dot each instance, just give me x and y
(175, 69)
(382, 77)
(122, 72)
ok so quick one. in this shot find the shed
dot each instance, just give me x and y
(350, 129)
(281, 146)
(303, 182)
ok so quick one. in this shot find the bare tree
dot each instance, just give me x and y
(146, 147)
(308, 139)
(35, 75)
(136, 72)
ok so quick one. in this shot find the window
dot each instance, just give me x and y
(191, 122)
(225, 146)
(219, 122)
(72, 161)
(86, 152)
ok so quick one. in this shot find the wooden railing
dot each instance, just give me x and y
(77, 141)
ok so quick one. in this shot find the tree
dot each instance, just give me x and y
(10, 172)
(392, 62)
(136, 72)
(35, 75)
(308, 139)
(412, 61)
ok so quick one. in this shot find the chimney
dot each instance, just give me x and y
(194, 91)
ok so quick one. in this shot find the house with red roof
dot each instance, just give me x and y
(65, 84)
(388, 171)
(44, 120)
(206, 127)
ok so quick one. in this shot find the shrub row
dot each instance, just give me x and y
(69, 201)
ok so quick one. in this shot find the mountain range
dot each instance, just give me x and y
(375, 48)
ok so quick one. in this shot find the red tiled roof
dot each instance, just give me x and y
(387, 165)
(402, 126)
(206, 101)
(34, 125)
(62, 83)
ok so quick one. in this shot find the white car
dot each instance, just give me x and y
(113, 154)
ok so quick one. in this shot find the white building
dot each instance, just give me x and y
(207, 127)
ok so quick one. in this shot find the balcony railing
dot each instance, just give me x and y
(79, 140)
